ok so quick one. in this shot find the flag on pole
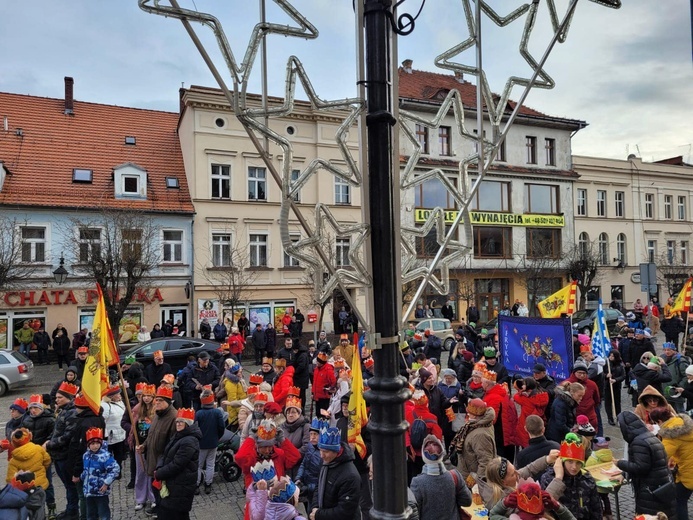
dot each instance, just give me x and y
(102, 354)
(683, 300)
(601, 344)
(560, 302)
(358, 415)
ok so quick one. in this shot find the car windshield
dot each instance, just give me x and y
(19, 356)
(583, 314)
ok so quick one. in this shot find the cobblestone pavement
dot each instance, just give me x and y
(227, 499)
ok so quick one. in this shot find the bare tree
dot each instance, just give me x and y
(671, 273)
(537, 271)
(582, 262)
(314, 279)
(118, 250)
(14, 256)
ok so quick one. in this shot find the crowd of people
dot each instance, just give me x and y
(519, 445)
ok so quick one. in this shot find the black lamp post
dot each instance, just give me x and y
(60, 274)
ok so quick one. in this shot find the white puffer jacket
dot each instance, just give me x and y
(113, 414)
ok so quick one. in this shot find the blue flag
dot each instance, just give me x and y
(601, 344)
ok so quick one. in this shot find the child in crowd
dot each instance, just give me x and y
(309, 471)
(27, 456)
(100, 470)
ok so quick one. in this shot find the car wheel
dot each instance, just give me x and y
(449, 344)
(3, 387)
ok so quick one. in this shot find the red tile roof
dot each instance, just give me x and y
(433, 87)
(53, 144)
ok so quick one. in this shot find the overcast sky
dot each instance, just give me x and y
(627, 72)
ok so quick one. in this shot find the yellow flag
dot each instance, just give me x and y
(560, 302)
(683, 300)
(358, 415)
(102, 353)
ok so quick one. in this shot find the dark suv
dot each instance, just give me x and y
(176, 350)
(584, 319)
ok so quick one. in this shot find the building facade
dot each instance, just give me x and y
(79, 180)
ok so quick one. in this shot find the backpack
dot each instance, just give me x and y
(418, 431)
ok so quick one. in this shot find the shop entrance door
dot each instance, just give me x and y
(491, 294)
(175, 314)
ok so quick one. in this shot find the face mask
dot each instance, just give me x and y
(258, 415)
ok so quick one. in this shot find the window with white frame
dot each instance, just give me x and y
(550, 147)
(583, 244)
(601, 203)
(221, 250)
(131, 184)
(258, 250)
(342, 191)
(603, 243)
(621, 248)
(342, 252)
(671, 251)
(89, 244)
(668, 207)
(619, 203)
(422, 137)
(651, 250)
(681, 207)
(173, 245)
(221, 181)
(581, 209)
(33, 244)
(444, 140)
(257, 183)
(684, 252)
(130, 181)
(290, 261)
(531, 145)
(294, 177)
(649, 205)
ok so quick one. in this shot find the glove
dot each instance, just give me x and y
(510, 502)
(550, 503)
(279, 439)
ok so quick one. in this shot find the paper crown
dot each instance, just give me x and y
(36, 400)
(490, 351)
(345, 372)
(418, 336)
(81, 401)
(404, 346)
(68, 388)
(139, 388)
(23, 480)
(83, 349)
(113, 390)
(158, 354)
(187, 414)
(256, 379)
(282, 491)
(129, 360)
(266, 360)
(169, 379)
(419, 398)
(315, 425)
(450, 414)
(476, 407)
(252, 390)
(267, 431)
(293, 402)
(263, 471)
(261, 397)
(207, 396)
(280, 362)
(165, 392)
(295, 391)
(489, 375)
(223, 347)
(21, 403)
(339, 363)
(322, 357)
(20, 437)
(94, 434)
(479, 369)
(529, 498)
(572, 448)
(585, 348)
(330, 438)
(368, 363)
(344, 337)
(149, 390)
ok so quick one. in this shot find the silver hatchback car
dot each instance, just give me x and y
(16, 370)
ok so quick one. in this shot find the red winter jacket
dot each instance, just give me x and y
(323, 377)
(423, 413)
(236, 344)
(534, 404)
(588, 405)
(281, 386)
(498, 399)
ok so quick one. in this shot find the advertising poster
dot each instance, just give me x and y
(279, 313)
(231, 320)
(3, 332)
(129, 327)
(35, 323)
(524, 342)
(207, 309)
(259, 315)
(86, 321)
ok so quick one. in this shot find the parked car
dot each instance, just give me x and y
(440, 327)
(16, 370)
(584, 319)
(490, 325)
(176, 350)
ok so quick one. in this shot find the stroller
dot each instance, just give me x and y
(225, 462)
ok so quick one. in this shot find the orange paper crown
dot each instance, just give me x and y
(266, 360)
(83, 349)
(295, 391)
(23, 484)
(36, 399)
(252, 390)
(339, 363)
(572, 448)
(81, 401)
(368, 363)
(267, 430)
(139, 388)
(68, 388)
(450, 414)
(22, 402)
(256, 379)
(165, 392)
(169, 379)
(159, 353)
(489, 375)
(344, 337)
(94, 434)
(529, 498)
(293, 402)
(585, 348)
(280, 362)
(149, 390)
(261, 398)
(322, 356)
(207, 396)
(186, 413)
(419, 398)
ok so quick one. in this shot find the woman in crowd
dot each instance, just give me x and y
(296, 427)
(563, 410)
(113, 411)
(533, 400)
(613, 385)
(70, 377)
(648, 401)
(142, 415)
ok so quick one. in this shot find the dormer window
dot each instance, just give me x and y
(130, 181)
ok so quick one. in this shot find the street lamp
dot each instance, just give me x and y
(60, 274)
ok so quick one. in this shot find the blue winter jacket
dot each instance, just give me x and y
(309, 471)
(99, 468)
(211, 423)
(13, 503)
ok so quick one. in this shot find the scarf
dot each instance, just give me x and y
(458, 441)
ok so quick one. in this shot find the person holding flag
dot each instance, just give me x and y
(683, 304)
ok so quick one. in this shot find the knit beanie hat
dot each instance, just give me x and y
(654, 363)
(584, 339)
(584, 427)
(689, 370)
(448, 372)
(579, 366)
(424, 375)
(433, 452)
(20, 405)
(468, 356)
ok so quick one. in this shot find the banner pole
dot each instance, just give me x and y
(685, 332)
(611, 387)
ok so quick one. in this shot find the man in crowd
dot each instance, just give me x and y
(156, 371)
(197, 375)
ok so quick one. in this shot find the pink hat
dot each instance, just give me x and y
(584, 339)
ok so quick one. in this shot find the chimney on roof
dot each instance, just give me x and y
(181, 103)
(69, 98)
(459, 76)
(407, 66)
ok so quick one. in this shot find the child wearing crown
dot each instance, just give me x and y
(529, 502)
(99, 471)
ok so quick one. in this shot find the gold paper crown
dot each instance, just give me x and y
(280, 362)
(295, 391)
(322, 356)
(489, 375)
(267, 430)
(529, 499)
(149, 390)
(293, 402)
(266, 360)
